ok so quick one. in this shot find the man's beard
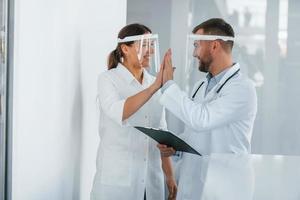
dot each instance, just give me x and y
(204, 65)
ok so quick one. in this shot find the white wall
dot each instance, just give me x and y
(60, 47)
(102, 22)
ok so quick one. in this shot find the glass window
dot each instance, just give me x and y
(268, 41)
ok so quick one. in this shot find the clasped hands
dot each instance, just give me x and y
(166, 70)
(165, 74)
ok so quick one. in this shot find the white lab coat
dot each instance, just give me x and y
(216, 123)
(128, 162)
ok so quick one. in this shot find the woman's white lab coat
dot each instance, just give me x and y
(128, 162)
(220, 122)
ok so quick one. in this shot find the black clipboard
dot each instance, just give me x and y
(169, 139)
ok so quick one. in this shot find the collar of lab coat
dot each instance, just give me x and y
(217, 78)
(128, 75)
(228, 73)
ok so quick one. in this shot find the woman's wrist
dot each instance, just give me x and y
(152, 89)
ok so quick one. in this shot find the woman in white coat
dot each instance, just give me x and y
(129, 166)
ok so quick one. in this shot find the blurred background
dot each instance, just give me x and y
(266, 48)
(51, 52)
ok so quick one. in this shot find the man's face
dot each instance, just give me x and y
(202, 53)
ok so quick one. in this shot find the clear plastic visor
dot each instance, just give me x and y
(147, 50)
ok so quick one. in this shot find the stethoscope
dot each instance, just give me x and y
(220, 88)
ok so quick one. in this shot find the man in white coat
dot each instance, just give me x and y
(220, 113)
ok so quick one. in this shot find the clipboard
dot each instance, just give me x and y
(169, 139)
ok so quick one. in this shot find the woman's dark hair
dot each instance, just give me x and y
(132, 29)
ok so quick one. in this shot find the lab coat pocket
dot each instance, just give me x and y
(116, 169)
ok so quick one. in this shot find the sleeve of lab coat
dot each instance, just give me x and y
(163, 122)
(110, 101)
(236, 102)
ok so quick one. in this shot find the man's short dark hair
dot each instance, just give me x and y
(217, 26)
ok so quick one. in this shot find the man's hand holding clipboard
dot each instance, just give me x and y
(168, 143)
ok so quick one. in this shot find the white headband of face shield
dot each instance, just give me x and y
(210, 37)
(138, 37)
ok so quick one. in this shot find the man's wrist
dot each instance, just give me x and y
(170, 177)
(166, 85)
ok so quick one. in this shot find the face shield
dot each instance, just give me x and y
(197, 57)
(147, 50)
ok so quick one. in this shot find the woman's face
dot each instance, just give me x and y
(147, 52)
(144, 50)
(140, 52)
